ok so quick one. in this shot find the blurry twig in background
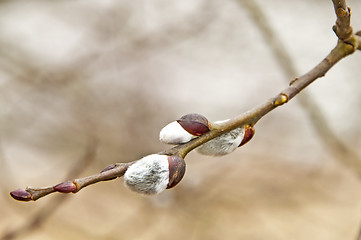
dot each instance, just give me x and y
(340, 150)
(43, 214)
(18, 64)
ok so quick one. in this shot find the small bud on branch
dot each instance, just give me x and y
(248, 135)
(66, 187)
(195, 124)
(21, 195)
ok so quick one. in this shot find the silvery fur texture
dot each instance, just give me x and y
(149, 175)
(223, 144)
(174, 133)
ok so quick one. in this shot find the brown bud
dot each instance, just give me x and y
(177, 168)
(107, 168)
(195, 124)
(65, 187)
(21, 195)
(248, 134)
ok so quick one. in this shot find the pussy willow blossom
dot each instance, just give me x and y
(154, 173)
(184, 129)
(223, 144)
(194, 125)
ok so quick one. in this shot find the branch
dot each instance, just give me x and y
(39, 218)
(342, 28)
(109, 173)
(251, 117)
(340, 150)
(254, 115)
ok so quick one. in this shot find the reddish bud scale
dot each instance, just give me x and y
(177, 168)
(65, 187)
(109, 167)
(194, 123)
(21, 195)
(248, 134)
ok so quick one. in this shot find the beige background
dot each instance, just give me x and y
(118, 71)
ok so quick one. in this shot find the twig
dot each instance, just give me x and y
(109, 173)
(343, 154)
(342, 27)
(44, 213)
(341, 50)
(252, 116)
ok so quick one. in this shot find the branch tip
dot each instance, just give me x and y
(342, 28)
(21, 195)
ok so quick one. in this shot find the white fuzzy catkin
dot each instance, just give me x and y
(223, 144)
(149, 175)
(174, 133)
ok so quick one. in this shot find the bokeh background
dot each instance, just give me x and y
(84, 84)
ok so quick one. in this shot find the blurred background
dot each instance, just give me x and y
(84, 84)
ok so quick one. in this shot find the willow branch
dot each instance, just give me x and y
(251, 117)
(254, 115)
(109, 173)
(39, 218)
(342, 27)
(340, 150)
